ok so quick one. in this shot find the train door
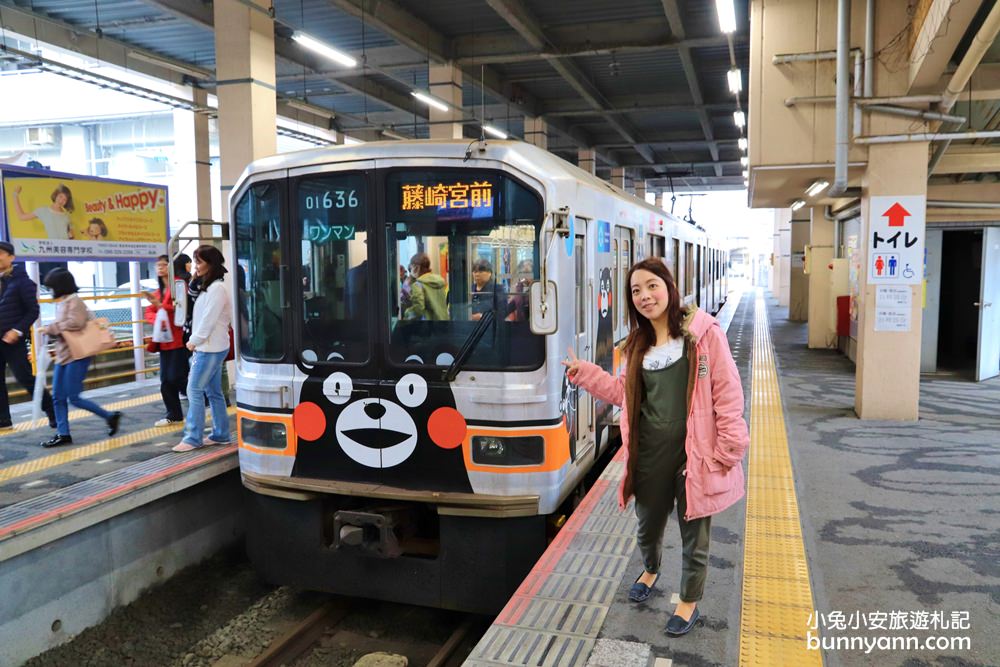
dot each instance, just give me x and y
(988, 341)
(580, 440)
(624, 258)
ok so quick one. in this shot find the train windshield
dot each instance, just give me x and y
(461, 243)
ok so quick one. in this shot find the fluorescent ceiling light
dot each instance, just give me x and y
(742, 143)
(727, 15)
(430, 101)
(319, 47)
(351, 141)
(739, 118)
(744, 161)
(183, 68)
(494, 132)
(746, 174)
(817, 187)
(735, 79)
(797, 204)
(310, 108)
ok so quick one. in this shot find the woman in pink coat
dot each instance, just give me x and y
(682, 428)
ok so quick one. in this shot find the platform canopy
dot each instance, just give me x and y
(641, 82)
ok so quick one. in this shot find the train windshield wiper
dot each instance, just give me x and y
(469, 345)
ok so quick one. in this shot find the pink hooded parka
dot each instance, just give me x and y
(717, 436)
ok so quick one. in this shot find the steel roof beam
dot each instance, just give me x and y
(88, 44)
(200, 14)
(633, 104)
(593, 39)
(677, 28)
(519, 18)
(395, 22)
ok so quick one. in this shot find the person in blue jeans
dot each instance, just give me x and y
(67, 377)
(209, 341)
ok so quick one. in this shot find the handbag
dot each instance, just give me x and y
(161, 328)
(93, 338)
(232, 348)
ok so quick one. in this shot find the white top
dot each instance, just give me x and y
(213, 314)
(661, 356)
(56, 223)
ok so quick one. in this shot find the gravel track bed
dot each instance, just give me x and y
(220, 614)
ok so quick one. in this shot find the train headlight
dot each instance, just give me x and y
(268, 435)
(493, 450)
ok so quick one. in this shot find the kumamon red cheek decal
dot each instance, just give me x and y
(309, 421)
(447, 428)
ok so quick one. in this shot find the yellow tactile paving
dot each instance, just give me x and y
(80, 452)
(777, 597)
(76, 414)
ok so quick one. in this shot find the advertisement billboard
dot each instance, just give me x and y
(54, 216)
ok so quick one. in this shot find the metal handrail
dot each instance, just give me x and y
(95, 379)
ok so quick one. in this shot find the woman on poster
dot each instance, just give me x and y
(55, 217)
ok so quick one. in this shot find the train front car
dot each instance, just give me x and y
(399, 430)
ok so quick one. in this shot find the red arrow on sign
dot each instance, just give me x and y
(896, 213)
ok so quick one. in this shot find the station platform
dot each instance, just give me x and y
(28, 470)
(859, 543)
(85, 528)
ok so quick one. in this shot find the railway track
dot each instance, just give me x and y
(305, 634)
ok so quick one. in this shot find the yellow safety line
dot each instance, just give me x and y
(77, 453)
(777, 597)
(76, 414)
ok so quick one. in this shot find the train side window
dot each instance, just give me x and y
(259, 258)
(657, 246)
(676, 262)
(688, 269)
(332, 223)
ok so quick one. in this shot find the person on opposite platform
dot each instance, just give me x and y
(18, 311)
(682, 428)
(210, 322)
(173, 355)
(72, 314)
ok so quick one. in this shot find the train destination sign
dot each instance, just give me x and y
(477, 195)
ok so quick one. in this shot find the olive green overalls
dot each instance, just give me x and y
(660, 475)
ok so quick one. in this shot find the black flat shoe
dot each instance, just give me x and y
(113, 423)
(677, 626)
(57, 440)
(640, 592)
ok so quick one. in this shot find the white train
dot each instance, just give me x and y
(411, 440)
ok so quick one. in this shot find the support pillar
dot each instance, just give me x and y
(887, 375)
(782, 253)
(536, 132)
(640, 188)
(586, 159)
(618, 177)
(819, 256)
(446, 85)
(798, 283)
(191, 188)
(244, 55)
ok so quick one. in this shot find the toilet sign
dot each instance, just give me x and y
(896, 240)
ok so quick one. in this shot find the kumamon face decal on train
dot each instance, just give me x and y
(406, 433)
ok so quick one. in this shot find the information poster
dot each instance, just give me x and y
(49, 215)
(892, 308)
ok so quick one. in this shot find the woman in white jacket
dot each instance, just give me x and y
(213, 315)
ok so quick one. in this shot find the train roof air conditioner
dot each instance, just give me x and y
(42, 136)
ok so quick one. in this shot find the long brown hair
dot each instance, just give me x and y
(640, 338)
(212, 256)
